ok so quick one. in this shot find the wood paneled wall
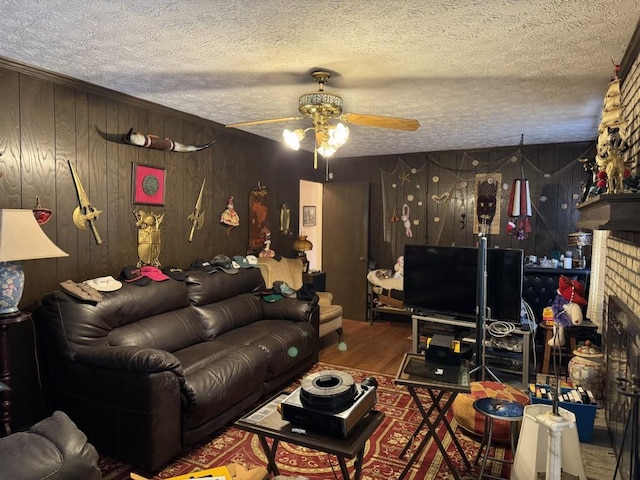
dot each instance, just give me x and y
(48, 120)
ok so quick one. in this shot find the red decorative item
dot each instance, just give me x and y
(43, 215)
(148, 184)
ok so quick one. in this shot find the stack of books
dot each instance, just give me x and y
(572, 395)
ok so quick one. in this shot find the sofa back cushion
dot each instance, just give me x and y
(169, 331)
(205, 288)
(231, 313)
(68, 323)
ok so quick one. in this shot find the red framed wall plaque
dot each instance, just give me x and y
(148, 184)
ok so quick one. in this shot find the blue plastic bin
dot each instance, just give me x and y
(585, 414)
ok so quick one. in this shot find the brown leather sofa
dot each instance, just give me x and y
(150, 370)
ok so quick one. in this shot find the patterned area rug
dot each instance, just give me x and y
(381, 453)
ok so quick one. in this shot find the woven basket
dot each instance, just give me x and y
(389, 301)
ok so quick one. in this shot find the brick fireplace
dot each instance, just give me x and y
(622, 346)
(620, 287)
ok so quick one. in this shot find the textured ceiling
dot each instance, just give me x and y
(474, 73)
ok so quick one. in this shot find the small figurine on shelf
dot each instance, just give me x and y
(398, 268)
(266, 251)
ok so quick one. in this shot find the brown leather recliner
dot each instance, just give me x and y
(53, 449)
(152, 369)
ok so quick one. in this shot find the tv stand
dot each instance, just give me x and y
(501, 357)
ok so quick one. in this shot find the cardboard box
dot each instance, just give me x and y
(233, 471)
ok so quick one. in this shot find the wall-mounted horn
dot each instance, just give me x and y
(157, 143)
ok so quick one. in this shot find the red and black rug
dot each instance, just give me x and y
(381, 454)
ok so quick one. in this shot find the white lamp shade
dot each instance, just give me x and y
(21, 238)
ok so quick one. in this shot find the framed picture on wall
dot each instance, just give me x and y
(309, 216)
(148, 184)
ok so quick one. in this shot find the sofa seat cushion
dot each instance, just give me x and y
(284, 343)
(217, 377)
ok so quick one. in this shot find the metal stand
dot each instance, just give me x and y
(632, 390)
(481, 314)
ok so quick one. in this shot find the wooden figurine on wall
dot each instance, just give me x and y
(148, 225)
(157, 143)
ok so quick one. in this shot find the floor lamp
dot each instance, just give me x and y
(481, 305)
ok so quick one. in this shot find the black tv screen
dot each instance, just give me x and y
(444, 280)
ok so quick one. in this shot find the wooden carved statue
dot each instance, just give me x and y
(612, 161)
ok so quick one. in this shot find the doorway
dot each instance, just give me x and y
(310, 221)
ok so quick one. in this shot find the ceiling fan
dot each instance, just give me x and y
(323, 107)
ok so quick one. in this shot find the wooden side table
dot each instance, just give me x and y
(317, 279)
(548, 350)
(5, 370)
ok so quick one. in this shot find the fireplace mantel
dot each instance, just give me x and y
(611, 211)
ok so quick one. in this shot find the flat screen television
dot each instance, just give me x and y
(444, 280)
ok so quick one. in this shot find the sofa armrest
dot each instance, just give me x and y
(131, 359)
(288, 309)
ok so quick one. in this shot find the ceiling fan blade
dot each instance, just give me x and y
(262, 122)
(379, 121)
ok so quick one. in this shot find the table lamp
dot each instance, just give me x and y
(21, 238)
(580, 240)
(302, 246)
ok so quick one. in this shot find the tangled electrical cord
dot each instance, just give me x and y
(500, 329)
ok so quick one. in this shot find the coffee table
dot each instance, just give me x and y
(414, 373)
(265, 421)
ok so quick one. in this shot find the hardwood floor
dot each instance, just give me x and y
(380, 348)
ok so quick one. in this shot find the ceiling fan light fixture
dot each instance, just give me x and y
(326, 150)
(292, 138)
(338, 135)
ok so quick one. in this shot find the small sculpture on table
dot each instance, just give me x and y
(567, 308)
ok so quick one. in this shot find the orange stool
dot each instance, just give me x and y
(472, 421)
(548, 335)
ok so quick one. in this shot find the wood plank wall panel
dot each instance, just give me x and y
(82, 168)
(173, 163)
(65, 200)
(38, 167)
(115, 189)
(127, 241)
(97, 153)
(10, 168)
